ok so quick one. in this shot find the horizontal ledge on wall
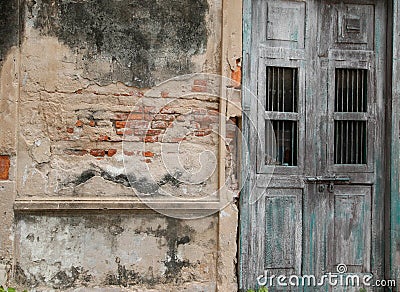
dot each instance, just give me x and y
(30, 204)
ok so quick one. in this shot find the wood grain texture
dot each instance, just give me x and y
(295, 226)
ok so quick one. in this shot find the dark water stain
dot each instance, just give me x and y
(174, 238)
(175, 233)
(142, 185)
(63, 279)
(9, 26)
(144, 41)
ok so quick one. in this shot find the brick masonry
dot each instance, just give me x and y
(4, 167)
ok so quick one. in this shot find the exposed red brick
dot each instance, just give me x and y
(128, 132)
(200, 82)
(236, 74)
(199, 85)
(111, 152)
(79, 91)
(180, 118)
(167, 110)
(70, 130)
(120, 124)
(104, 138)
(164, 94)
(199, 88)
(148, 160)
(97, 152)
(148, 154)
(92, 123)
(138, 116)
(79, 123)
(77, 152)
(4, 167)
(150, 139)
(213, 112)
(159, 125)
(164, 117)
(129, 153)
(177, 140)
(153, 132)
(121, 116)
(199, 111)
(202, 133)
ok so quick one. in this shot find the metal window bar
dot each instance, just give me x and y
(351, 90)
(350, 142)
(284, 152)
(282, 89)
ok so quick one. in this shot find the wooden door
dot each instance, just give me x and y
(314, 112)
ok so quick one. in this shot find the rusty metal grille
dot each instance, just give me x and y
(350, 142)
(351, 90)
(281, 142)
(282, 89)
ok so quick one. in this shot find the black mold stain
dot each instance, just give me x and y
(173, 180)
(9, 26)
(26, 279)
(126, 277)
(175, 234)
(142, 185)
(61, 280)
(144, 41)
(159, 232)
(84, 177)
(173, 264)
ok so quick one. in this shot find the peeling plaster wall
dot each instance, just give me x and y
(9, 61)
(82, 118)
(75, 102)
(144, 251)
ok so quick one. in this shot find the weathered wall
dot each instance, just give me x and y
(9, 24)
(84, 127)
(109, 250)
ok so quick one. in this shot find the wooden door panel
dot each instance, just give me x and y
(283, 229)
(299, 217)
(351, 228)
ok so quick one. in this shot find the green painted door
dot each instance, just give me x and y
(314, 115)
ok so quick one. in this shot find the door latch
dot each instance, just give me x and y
(327, 179)
(327, 182)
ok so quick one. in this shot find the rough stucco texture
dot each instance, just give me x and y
(85, 67)
(143, 251)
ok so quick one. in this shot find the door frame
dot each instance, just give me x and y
(390, 169)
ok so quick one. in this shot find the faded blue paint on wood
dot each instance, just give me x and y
(280, 213)
(395, 152)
